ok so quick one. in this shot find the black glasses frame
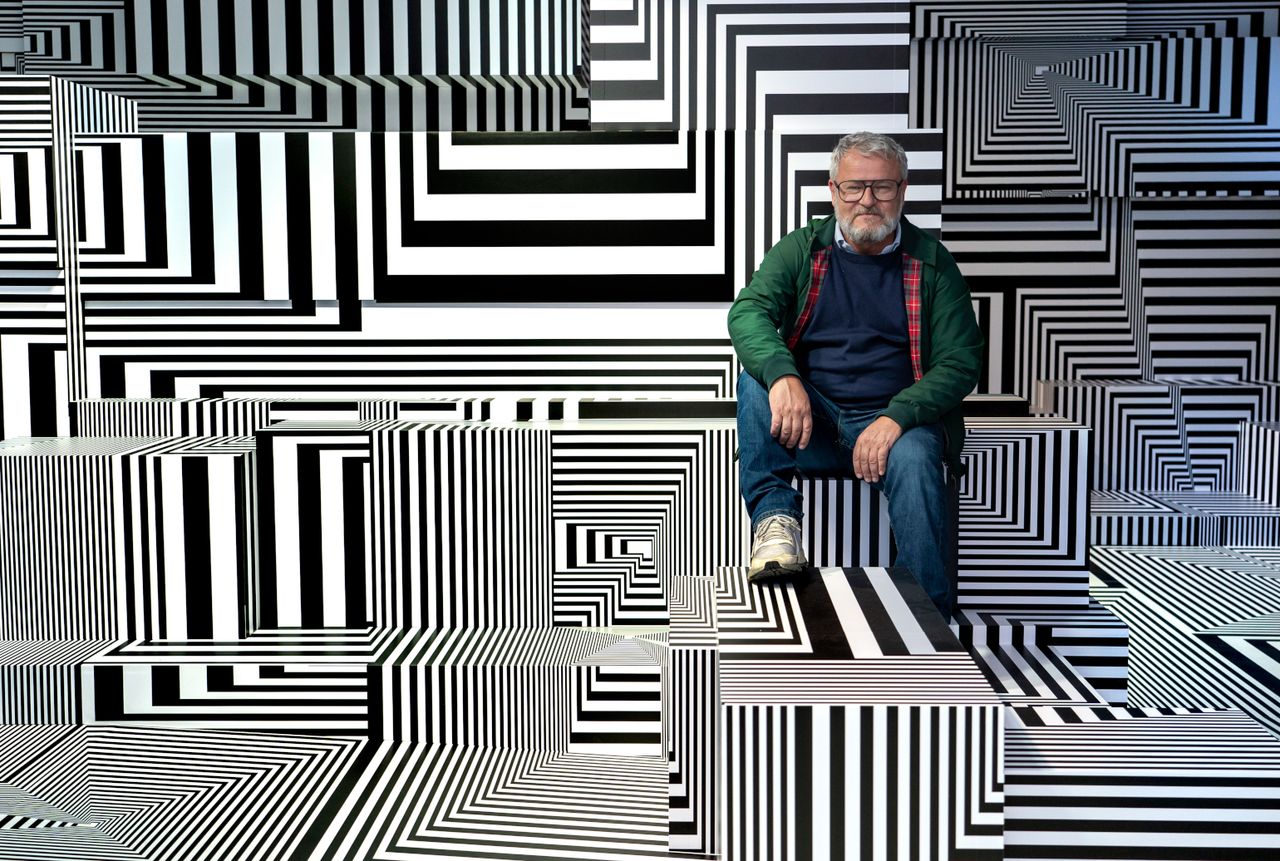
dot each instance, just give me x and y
(850, 197)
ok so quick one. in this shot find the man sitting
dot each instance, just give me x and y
(859, 342)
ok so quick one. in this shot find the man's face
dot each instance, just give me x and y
(867, 221)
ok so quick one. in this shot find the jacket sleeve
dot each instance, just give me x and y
(761, 309)
(955, 353)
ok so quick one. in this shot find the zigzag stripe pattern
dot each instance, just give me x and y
(101, 797)
(539, 803)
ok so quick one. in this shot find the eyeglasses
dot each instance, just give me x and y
(881, 189)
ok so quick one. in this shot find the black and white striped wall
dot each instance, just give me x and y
(367, 407)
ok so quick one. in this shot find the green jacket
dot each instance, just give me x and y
(949, 345)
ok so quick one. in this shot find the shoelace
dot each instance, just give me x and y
(771, 528)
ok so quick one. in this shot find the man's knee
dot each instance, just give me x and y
(918, 451)
(753, 398)
(750, 387)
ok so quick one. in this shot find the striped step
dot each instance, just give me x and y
(1130, 784)
(332, 699)
(1067, 656)
(590, 691)
(237, 416)
(1182, 518)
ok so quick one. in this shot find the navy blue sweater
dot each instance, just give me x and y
(855, 349)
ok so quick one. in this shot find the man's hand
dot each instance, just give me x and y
(871, 451)
(792, 418)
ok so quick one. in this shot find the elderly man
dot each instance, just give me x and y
(859, 343)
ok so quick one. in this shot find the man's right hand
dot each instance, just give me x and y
(792, 417)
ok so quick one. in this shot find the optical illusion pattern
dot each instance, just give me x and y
(373, 525)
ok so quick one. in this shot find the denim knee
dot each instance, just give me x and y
(919, 450)
(753, 399)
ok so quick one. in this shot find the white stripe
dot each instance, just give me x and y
(332, 532)
(175, 556)
(288, 586)
(904, 621)
(852, 620)
(223, 547)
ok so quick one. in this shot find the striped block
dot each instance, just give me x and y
(1137, 439)
(198, 417)
(1135, 784)
(418, 799)
(189, 556)
(355, 39)
(565, 689)
(1242, 519)
(237, 416)
(1133, 518)
(849, 683)
(1023, 518)
(460, 526)
(40, 680)
(132, 538)
(313, 490)
(693, 712)
(58, 560)
(638, 506)
(862, 782)
(330, 699)
(1258, 462)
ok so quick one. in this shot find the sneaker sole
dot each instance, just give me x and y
(774, 570)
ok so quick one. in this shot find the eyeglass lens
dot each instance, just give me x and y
(880, 190)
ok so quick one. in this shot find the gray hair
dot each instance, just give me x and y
(869, 144)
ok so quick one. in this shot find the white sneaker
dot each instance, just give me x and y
(776, 549)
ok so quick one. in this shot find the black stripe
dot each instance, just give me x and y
(196, 538)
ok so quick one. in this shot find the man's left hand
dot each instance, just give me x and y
(871, 451)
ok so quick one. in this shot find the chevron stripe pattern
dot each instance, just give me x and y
(91, 793)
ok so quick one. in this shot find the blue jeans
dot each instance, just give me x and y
(914, 482)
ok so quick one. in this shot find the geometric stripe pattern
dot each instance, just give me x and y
(1130, 783)
(864, 759)
(1202, 625)
(161, 793)
(336, 210)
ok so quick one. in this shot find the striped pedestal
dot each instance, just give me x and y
(572, 690)
(852, 723)
(127, 538)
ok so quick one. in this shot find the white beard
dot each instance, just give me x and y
(869, 235)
